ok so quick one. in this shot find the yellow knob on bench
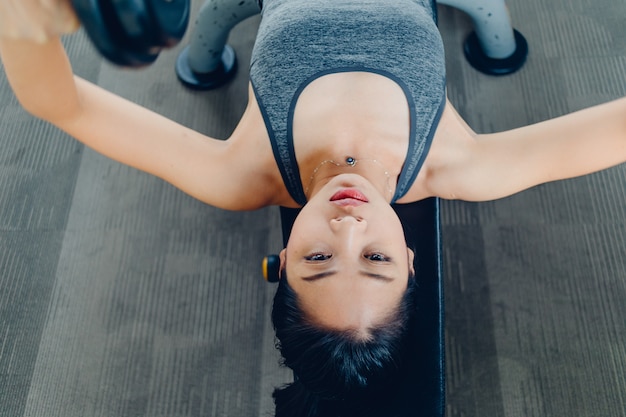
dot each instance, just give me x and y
(271, 268)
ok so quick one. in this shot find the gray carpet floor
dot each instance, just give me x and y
(121, 296)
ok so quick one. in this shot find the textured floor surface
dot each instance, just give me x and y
(121, 296)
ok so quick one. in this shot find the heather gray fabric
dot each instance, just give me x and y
(300, 41)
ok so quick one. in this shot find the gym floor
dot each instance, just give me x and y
(121, 296)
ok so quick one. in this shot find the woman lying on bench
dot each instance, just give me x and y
(347, 114)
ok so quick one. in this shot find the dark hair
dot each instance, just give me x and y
(339, 372)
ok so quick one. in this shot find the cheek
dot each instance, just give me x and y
(394, 233)
(305, 231)
(302, 222)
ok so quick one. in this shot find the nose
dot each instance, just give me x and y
(347, 224)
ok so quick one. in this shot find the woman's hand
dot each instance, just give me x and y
(36, 20)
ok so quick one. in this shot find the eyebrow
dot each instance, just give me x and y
(325, 274)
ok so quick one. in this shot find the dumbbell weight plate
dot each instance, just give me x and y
(152, 24)
(172, 17)
(103, 27)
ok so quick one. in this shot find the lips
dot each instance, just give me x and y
(349, 197)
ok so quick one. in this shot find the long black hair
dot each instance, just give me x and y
(340, 373)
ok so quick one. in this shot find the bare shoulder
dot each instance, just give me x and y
(234, 174)
(466, 166)
(449, 152)
(253, 170)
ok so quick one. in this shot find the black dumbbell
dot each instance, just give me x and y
(132, 33)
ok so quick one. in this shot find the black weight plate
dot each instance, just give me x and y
(135, 22)
(172, 17)
(152, 23)
(106, 33)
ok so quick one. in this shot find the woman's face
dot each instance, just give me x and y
(347, 257)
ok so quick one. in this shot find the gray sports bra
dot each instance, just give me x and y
(301, 40)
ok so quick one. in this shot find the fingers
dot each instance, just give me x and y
(19, 20)
(49, 5)
(36, 20)
(66, 20)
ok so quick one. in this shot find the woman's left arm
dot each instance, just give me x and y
(501, 164)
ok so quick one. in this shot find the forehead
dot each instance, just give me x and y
(340, 304)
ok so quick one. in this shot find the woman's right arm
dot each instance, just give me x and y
(41, 76)
(34, 59)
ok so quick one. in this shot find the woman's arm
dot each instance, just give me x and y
(41, 76)
(42, 79)
(497, 165)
